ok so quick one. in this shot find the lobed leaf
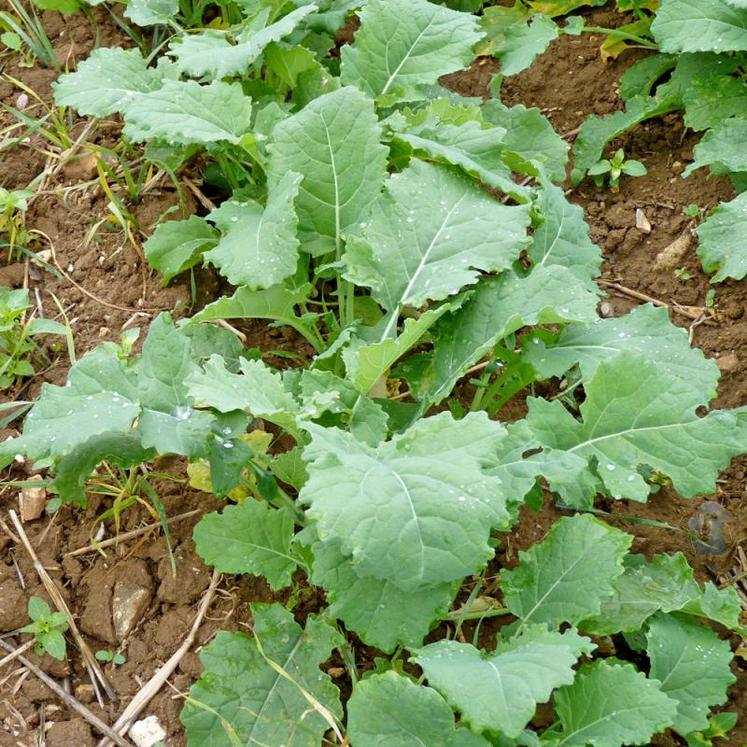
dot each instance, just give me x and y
(209, 53)
(499, 691)
(106, 82)
(692, 664)
(263, 690)
(567, 576)
(259, 247)
(700, 26)
(334, 143)
(666, 583)
(184, 112)
(249, 538)
(389, 709)
(403, 44)
(646, 330)
(381, 613)
(636, 414)
(612, 705)
(430, 234)
(416, 510)
(721, 249)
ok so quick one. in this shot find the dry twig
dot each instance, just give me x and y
(128, 535)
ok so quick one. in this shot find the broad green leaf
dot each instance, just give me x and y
(257, 389)
(611, 705)
(277, 304)
(721, 148)
(641, 77)
(664, 583)
(165, 362)
(403, 44)
(700, 26)
(645, 330)
(249, 538)
(636, 414)
(177, 245)
(382, 614)
(334, 143)
(474, 147)
(692, 664)
(367, 363)
(709, 100)
(167, 421)
(100, 397)
(209, 53)
(389, 709)
(106, 82)
(563, 236)
(567, 576)
(259, 247)
(431, 233)
(151, 12)
(288, 63)
(499, 307)
(529, 137)
(263, 690)
(416, 510)
(499, 691)
(524, 41)
(184, 112)
(721, 249)
(596, 132)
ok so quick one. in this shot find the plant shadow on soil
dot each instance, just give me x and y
(567, 83)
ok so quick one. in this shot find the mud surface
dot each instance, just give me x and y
(130, 601)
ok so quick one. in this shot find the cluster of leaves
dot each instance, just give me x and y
(17, 347)
(380, 216)
(698, 68)
(48, 629)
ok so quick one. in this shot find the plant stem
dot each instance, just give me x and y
(619, 34)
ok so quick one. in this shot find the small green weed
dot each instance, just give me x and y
(110, 656)
(47, 627)
(614, 168)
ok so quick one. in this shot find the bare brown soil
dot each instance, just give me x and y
(107, 288)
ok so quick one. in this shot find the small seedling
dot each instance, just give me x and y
(47, 627)
(682, 274)
(107, 656)
(16, 346)
(693, 210)
(13, 205)
(719, 726)
(616, 167)
(710, 298)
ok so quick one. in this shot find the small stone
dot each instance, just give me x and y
(31, 501)
(128, 606)
(81, 168)
(728, 362)
(22, 101)
(641, 221)
(606, 310)
(84, 693)
(147, 731)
